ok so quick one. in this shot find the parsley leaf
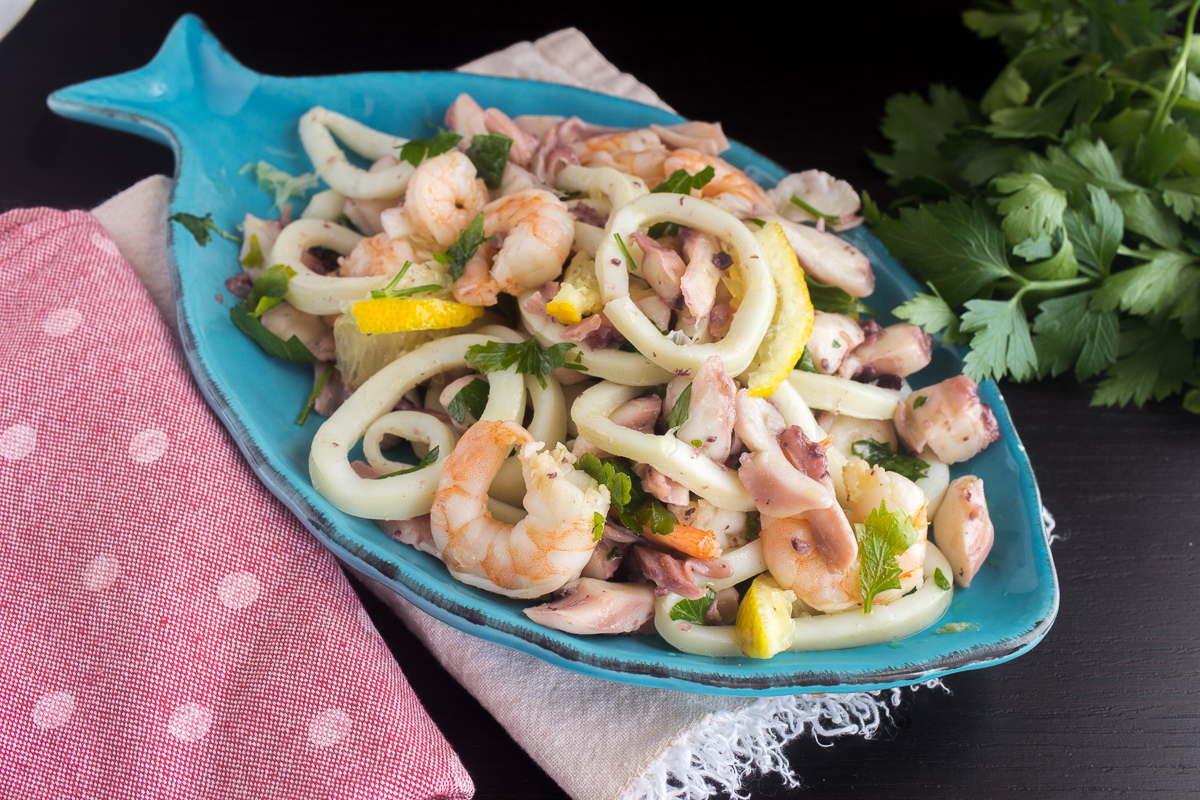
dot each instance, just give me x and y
(279, 183)
(1096, 231)
(1068, 331)
(1154, 362)
(636, 509)
(880, 454)
(463, 250)
(933, 315)
(883, 536)
(1001, 343)
(597, 526)
(471, 399)
(834, 300)
(489, 154)
(940, 580)
(679, 411)
(693, 611)
(957, 247)
(682, 182)
(199, 227)
(1034, 206)
(916, 128)
(414, 151)
(611, 473)
(430, 458)
(530, 358)
(267, 292)
(254, 255)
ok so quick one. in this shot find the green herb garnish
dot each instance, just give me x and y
(254, 254)
(414, 151)
(625, 252)
(635, 508)
(463, 250)
(489, 154)
(830, 219)
(957, 627)
(760, 223)
(679, 411)
(200, 227)
(881, 538)
(471, 399)
(267, 292)
(940, 580)
(834, 300)
(693, 611)
(430, 458)
(312, 396)
(530, 358)
(920, 401)
(881, 454)
(805, 364)
(597, 526)
(681, 182)
(391, 291)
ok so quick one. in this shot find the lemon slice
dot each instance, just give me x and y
(579, 293)
(361, 355)
(793, 321)
(393, 314)
(764, 619)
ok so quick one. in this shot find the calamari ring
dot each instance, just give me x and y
(886, 623)
(317, 127)
(617, 187)
(631, 369)
(308, 291)
(675, 459)
(752, 318)
(401, 496)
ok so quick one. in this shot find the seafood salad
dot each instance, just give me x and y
(605, 371)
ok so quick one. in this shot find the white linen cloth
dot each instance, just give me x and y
(598, 740)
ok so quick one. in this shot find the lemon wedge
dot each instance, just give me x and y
(578, 294)
(764, 619)
(793, 321)
(361, 355)
(393, 314)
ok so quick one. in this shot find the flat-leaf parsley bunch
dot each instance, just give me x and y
(1057, 219)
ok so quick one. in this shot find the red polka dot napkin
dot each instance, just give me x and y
(169, 630)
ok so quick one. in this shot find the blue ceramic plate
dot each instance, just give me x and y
(217, 116)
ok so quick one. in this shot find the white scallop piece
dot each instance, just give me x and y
(17, 441)
(190, 722)
(53, 710)
(101, 573)
(148, 446)
(238, 590)
(62, 322)
(105, 244)
(329, 727)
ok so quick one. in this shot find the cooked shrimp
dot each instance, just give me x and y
(730, 188)
(476, 287)
(621, 141)
(537, 555)
(376, 255)
(538, 231)
(443, 196)
(645, 164)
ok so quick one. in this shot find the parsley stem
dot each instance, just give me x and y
(1058, 84)
(312, 396)
(1175, 84)
(1054, 286)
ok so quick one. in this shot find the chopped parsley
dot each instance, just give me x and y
(957, 627)
(696, 443)
(693, 611)
(880, 454)
(883, 536)
(830, 219)
(463, 250)
(414, 151)
(200, 227)
(489, 154)
(834, 300)
(760, 223)
(941, 580)
(597, 526)
(268, 291)
(530, 358)
(430, 458)
(920, 401)
(682, 182)
(636, 509)
(254, 255)
(679, 411)
(471, 399)
(625, 252)
(312, 396)
(805, 364)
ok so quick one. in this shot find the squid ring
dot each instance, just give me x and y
(411, 495)
(753, 316)
(308, 291)
(317, 127)
(852, 628)
(619, 188)
(675, 459)
(631, 369)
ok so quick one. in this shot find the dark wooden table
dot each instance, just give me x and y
(1107, 705)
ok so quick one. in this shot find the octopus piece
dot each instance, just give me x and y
(845, 430)
(950, 418)
(832, 339)
(663, 269)
(899, 350)
(286, 321)
(712, 411)
(524, 144)
(590, 606)
(660, 486)
(829, 259)
(823, 192)
(830, 530)
(604, 561)
(706, 137)
(963, 529)
(414, 532)
(639, 414)
(595, 331)
(466, 118)
(776, 486)
(704, 259)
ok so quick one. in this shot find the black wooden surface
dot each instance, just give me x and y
(1107, 705)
